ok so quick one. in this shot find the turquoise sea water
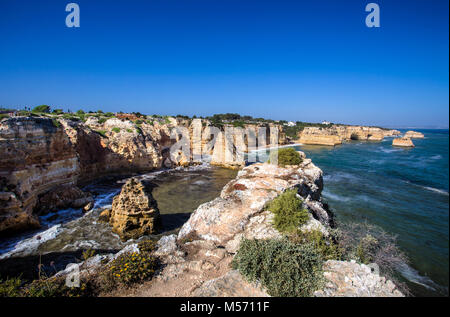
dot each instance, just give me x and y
(404, 191)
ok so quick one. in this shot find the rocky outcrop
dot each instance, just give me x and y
(350, 279)
(230, 216)
(197, 262)
(336, 134)
(413, 135)
(403, 142)
(63, 197)
(134, 212)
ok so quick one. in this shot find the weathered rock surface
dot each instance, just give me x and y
(413, 135)
(134, 212)
(64, 197)
(245, 197)
(350, 279)
(35, 157)
(404, 142)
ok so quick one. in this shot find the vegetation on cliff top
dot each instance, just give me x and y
(286, 156)
(289, 212)
(284, 268)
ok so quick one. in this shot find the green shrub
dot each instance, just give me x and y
(102, 120)
(101, 132)
(132, 267)
(56, 123)
(10, 287)
(326, 246)
(289, 211)
(3, 116)
(109, 114)
(129, 130)
(138, 130)
(58, 111)
(87, 254)
(284, 268)
(286, 156)
(80, 112)
(367, 247)
(55, 287)
(116, 130)
(41, 108)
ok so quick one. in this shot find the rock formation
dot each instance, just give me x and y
(414, 135)
(403, 142)
(338, 134)
(134, 212)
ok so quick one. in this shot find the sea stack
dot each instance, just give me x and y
(404, 142)
(414, 135)
(134, 212)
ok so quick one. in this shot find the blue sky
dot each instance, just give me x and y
(293, 60)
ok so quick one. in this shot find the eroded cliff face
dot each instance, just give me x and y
(42, 160)
(335, 134)
(35, 157)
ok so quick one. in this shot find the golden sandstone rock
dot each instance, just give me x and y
(134, 212)
(404, 142)
(414, 135)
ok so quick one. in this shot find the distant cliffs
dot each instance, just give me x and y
(337, 134)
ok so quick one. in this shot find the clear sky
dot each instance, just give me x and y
(292, 60)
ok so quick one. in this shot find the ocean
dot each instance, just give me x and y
(405, 191)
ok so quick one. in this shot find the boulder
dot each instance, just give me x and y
(64, 197)
(134, 212)
(403, 142)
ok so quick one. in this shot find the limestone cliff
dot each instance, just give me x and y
(39, 155)
(337, 134)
